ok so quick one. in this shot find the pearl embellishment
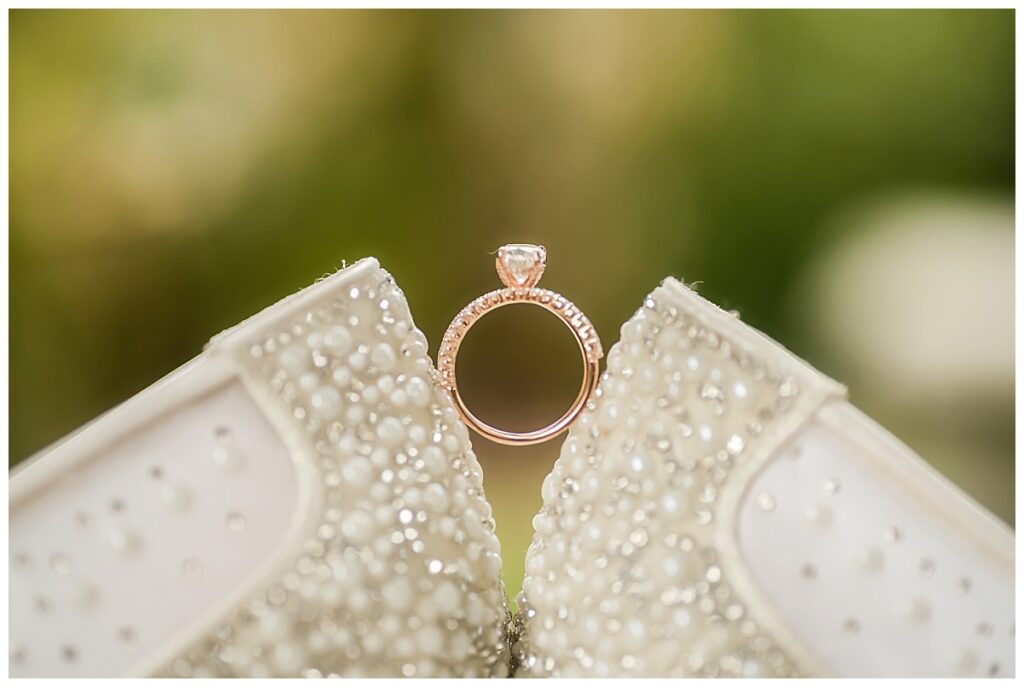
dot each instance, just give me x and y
(400, 576)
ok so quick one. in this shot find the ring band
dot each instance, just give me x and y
(520, 267)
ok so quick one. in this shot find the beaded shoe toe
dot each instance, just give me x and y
(722, 510)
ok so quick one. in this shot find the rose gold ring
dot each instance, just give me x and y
(520, 267)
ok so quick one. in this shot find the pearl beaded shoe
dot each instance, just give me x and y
(721, 510)
(300, 499)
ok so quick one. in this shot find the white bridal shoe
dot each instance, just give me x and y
(722, 510)
(302, 500)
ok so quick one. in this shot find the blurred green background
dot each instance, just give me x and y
(843, 179)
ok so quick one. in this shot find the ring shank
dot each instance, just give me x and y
(591, 373)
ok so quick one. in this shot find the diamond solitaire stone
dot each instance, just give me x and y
(521, 264)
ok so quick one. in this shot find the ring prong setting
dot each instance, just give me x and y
(521, 265)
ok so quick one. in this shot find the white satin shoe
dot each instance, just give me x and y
(722, 510)
(300, 499)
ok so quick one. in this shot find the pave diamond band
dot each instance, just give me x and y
(520, 267)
